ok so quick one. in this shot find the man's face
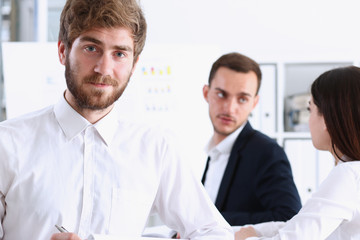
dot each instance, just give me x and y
(98, 67)
(231, 98)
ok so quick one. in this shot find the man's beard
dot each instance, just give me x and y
(220, 131)
(95, 99)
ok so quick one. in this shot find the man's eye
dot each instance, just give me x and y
(91, 49)
(242, 100)
(220, 94)
(119, 54)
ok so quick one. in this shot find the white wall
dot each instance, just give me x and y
(263, 29)
(266, 30)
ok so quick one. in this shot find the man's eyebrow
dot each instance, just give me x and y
(219, 89)
(239, 94)
(90, 39)
(98, 42)
(244, 94)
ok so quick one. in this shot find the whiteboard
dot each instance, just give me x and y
(33, 76)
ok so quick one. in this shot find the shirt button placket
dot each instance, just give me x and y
(87, 201)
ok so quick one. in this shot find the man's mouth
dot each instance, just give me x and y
(100, 84)
(226, 119)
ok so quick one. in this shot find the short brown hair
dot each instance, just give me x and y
(336, 93)
(239, 63)
(79, 16)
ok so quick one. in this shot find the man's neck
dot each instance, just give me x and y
(217, 138)
(94, 116)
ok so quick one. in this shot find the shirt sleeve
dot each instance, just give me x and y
(183, 204)
(7, 170)
(4, 176)
(2, 213)
(334, 202)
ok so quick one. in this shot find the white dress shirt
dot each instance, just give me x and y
(332, 213)
(103, 178)
(219, 157)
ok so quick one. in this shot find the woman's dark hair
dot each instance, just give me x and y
(336, 93)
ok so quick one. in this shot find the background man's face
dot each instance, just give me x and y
(231, 97)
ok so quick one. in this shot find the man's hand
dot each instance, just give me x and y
(244, 233)
(65, 236)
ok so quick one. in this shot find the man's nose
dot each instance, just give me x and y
(104, 65)
(231, 105)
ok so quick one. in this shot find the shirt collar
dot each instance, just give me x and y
(107, 126)
(225, 145)
(72, 123)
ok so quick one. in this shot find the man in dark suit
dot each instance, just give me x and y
(247, 175)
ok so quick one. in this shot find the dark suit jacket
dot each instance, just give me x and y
(257, 185)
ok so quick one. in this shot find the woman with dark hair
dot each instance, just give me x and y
(333, 212)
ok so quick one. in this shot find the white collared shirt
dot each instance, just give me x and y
(332, 213)
(219, 157)
(103, 178)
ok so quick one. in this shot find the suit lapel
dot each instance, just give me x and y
(230, 170)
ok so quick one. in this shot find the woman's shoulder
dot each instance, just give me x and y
(350, 167)
(343, 176)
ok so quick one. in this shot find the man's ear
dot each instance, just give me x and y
(134, 66)
(256, 100)
(206, 92)
(62, 52)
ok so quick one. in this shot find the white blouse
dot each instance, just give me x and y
(332, 213)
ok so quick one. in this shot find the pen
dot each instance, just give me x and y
(61, 228)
